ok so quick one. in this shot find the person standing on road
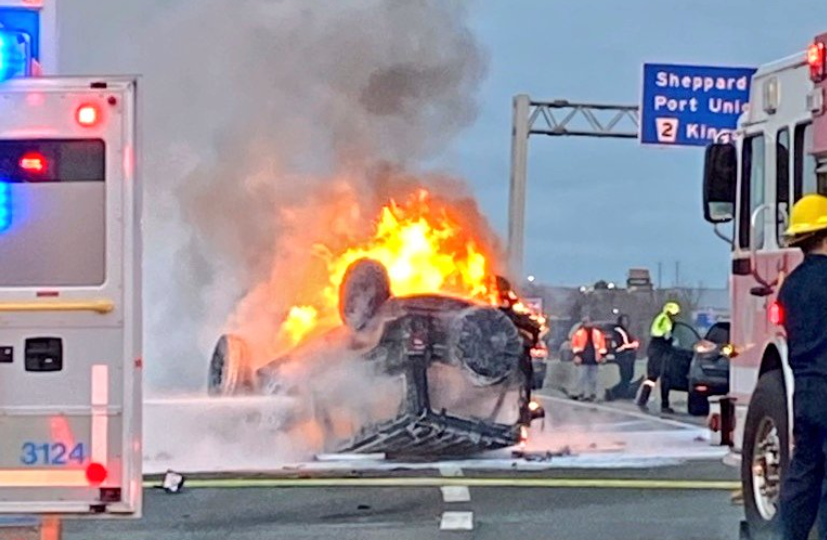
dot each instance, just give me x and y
(659, 352)
(589, 347)
(803, 300)
(625, 353)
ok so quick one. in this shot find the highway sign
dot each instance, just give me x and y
(692, 105)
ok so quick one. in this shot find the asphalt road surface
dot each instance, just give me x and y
(616, 474)
(686, 502)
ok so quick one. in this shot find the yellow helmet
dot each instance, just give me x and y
(809, 215)
(671, 308)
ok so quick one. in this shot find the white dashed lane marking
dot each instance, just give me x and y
(454, 494)
(457, 521)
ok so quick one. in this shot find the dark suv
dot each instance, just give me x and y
(709, 371)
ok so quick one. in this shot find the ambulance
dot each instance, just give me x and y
(70, 281)
(777, 155)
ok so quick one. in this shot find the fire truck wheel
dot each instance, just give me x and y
(229, 368)
(365, 287)
(485, 342)
(765, 455)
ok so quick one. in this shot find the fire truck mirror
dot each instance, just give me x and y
(720, 176)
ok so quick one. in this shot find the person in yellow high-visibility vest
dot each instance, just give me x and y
(659, 351)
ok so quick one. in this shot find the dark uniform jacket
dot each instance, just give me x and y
(803, 300)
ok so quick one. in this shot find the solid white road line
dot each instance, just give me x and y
(457, 521)
(450, 470)
(455, 494)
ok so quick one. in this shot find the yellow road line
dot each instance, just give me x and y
(591, 483)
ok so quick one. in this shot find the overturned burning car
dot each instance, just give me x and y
(454, 375)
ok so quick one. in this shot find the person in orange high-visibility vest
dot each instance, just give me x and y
(588, 344)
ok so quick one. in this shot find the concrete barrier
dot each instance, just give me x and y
(562, 376)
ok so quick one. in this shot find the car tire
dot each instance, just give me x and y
(487, 344)
(229, 367)
(766, 455)
(697, 404)
(365, 288)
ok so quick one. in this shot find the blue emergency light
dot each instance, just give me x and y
(15, 54)
(19, 41)
(5, 205)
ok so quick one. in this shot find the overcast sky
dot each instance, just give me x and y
(596, 207)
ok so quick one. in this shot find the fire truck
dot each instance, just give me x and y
(777, 154)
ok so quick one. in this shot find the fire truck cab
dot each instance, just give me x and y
(777, 154)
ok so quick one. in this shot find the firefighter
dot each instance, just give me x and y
(659, 352)
(589, 347)
(803, 300)
(625, 352)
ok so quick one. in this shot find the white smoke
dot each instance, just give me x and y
(255, 108)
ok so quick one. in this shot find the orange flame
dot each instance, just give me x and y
(425, 249)
(300, 321)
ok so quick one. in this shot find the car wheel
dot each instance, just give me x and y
(487, 344)
(365, 287)
(698, 404)
(229, 367)
(766, 455)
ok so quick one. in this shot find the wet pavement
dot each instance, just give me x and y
(245, 434)
(690, 501)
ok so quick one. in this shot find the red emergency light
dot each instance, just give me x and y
(817, 58)
(88, 115)
(776, 314)
(33, 163)
(96, 473)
